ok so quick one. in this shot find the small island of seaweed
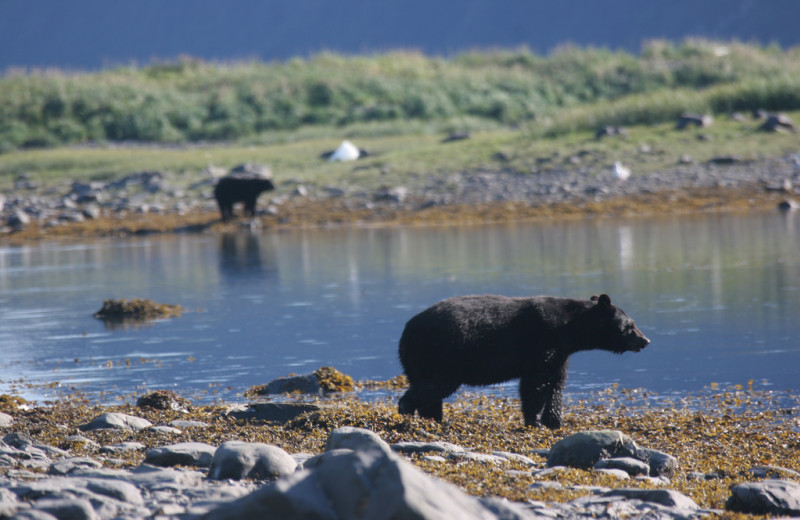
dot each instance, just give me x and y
(135, 310)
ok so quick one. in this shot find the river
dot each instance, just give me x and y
(717, 294)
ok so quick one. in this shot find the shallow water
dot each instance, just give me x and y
(718, 296)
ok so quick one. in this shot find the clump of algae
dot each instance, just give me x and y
(136, 309)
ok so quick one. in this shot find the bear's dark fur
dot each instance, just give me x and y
(232, 189)
(482, 340)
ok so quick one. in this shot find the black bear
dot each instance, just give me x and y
(233, 188)
(483, 340)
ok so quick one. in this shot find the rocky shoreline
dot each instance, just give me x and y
(151, 202)
(336, 458)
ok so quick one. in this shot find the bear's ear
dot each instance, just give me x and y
(593, 298)
(604, 300)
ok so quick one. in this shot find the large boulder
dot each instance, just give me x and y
(370, 483)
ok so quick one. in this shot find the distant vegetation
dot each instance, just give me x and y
(570, 89)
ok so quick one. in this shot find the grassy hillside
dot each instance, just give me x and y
(394, 94)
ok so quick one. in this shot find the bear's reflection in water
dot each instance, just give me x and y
(246, 254)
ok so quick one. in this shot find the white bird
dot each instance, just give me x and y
(620, 172)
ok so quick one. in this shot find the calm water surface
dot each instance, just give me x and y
(717, 295)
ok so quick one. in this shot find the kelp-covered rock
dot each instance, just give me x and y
(323, 381)
(136, 310)
(163, 400)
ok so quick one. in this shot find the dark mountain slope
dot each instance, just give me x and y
(96, 33)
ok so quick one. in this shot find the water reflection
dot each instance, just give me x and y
(716, 294)
(246, 254)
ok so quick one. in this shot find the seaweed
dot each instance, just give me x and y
(135, 312)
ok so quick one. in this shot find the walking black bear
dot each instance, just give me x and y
(232, 189)
(483, 340)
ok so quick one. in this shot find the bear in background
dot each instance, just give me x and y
(235, 188)
(483, 340)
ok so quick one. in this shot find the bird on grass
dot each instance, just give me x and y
(621, 172)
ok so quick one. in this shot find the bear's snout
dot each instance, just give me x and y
(640, 341)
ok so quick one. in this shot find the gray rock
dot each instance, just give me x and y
(411, 448)
(547, 484)
(146, 476)
(82, 441)
(237, 460)
(661, 464)
(67, 509)
(68, 465)
(122, 447)
(181, 454)
(773, 497)
(504, 509)
(483, 458)
(251, 170)
(119, 421)
(304, 384)
(8, 503)
(165, 430)
(33, 514)
(584, 449)
(117, 489)
(362, 484)
(772, 472)
(629, 465)
(18, 219)
(350, 438)
(273, 412)
(5, 420)
(395, 194)
(516, 457)
(185, 424)
(665, 497)
(617, 473)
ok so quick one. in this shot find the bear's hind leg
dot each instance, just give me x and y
(534, 394)
(425, 399)
(432, 411)
(553, 414)
(408, 403)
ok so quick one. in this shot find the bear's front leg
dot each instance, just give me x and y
(250, 205)
(534, 392)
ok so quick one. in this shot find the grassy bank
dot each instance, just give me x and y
(191, 101)
(398, 159)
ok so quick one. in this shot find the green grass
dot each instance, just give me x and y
(393, 94)
(402, 159)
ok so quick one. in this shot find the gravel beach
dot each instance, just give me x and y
(150, 202)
